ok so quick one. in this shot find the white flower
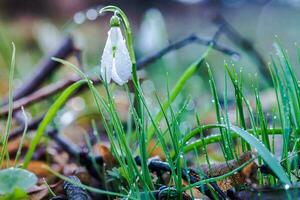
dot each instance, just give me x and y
(115, 61)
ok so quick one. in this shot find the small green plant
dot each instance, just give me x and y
(16, 178)
(250, 131)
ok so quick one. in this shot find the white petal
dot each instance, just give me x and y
(114, 74)
(123, 65)
(116, 64)
(115, 35)
(107, 60)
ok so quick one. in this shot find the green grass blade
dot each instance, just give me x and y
(262, 120)
(225, 145)
(22, 138)
(10, 105)
(49, 117)
(177, 89)
(265, 154)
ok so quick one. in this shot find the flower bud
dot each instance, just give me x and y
(114, 21)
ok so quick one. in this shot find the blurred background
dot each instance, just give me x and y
(38, 28)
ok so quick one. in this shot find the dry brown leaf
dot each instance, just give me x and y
(42, 191)
(239, 178)
(196, 193)
(38, 192)
(108, 158)
(157, 151)
(38, 168)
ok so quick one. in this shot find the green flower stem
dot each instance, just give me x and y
(177, 89)
(129, 42)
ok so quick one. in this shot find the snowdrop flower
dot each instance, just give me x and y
(115, 61)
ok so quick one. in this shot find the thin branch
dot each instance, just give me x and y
(46, 67)
(246, 45)
(43, 93)
(182, 43)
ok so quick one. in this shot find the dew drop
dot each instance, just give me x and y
(79, 18)
(286, 186)
(91, 14)
(235, 57)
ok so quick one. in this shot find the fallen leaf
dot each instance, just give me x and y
(108, 158)
(38, 193)
(155, 150)
(42, 191)
(241, 177)
(13, 178)
(38, 168)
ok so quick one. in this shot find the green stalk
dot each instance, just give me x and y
(225, 145)
(239, 102)
(129, 42)
(262, 121)
(10, 105)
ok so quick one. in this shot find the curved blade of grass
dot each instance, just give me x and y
(266, 155)
(217, 137)
(261, 149)
(49, 117)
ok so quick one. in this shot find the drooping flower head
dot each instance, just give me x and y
(115, 61)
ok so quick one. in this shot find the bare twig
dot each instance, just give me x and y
(246, 45)
(45, 69)
(182, 43)
(43, 93)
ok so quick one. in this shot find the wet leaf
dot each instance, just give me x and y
(13, 178)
